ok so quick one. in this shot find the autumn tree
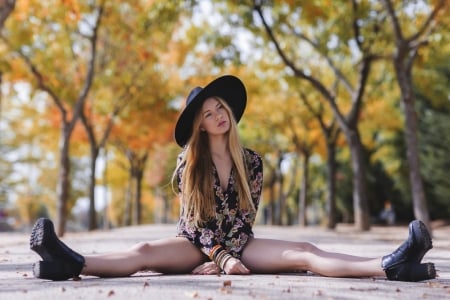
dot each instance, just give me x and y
(289, 25)
(407, 44)
(75, 27)
(136, 134)
(133, 41)
(6, 7)
(330, 133)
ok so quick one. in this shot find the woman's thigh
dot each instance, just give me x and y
(171, 255)
(275, 256)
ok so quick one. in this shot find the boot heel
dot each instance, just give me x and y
(56, 270)
(411, 271)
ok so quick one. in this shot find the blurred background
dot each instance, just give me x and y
(348, 103)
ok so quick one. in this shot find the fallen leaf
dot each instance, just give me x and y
(192, 294)
(225, 290)
(227, 283)
(433, 284)
(318, 293)
(111, 293)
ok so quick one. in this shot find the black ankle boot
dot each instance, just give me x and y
(413, 249)
(411, 271)
(56, 270)
(44, 242)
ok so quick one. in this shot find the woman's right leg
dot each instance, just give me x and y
(60, 262)
(171, 255)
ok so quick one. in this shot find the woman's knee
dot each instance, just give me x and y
(141, 248)
(306, 247)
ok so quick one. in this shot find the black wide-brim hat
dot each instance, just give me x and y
(228, 87)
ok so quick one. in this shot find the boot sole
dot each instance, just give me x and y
(40, 235)
(52, 270)
(412, 272)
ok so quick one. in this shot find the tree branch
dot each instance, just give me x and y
(395, 24)
(316, 46)
(91, 69)
(298, 72)
(425, 26)
(42, 85)
(6, 8)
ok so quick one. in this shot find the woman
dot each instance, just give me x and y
(220, 185)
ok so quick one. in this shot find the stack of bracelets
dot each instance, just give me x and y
(219, 256)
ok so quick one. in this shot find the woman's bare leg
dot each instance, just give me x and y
(275, 256)
(171, 255)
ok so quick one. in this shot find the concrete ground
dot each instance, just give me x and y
(17, 281)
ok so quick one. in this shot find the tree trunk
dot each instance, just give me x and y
(128, 200)
(418, 195)
(63, 185)
(331, 185)
(92, 212)
(303, 193)
(137, 219)
(1, 103)
(360, 199)
(272, 204)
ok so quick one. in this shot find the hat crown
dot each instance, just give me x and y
(195, 91)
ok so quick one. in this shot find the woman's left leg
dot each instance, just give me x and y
(275, 256)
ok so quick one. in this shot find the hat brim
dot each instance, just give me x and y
(228, 87)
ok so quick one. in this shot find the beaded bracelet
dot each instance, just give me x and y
(224, 261)
(221, 258)
(214, 251)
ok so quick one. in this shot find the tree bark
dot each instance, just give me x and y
(303, 192)
(404, 78)
(63, 185)
(360, 206)
(6, 8)
(331, 184)
(92, 212)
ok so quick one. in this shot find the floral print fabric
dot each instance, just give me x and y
(231, 227)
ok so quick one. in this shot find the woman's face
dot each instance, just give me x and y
(214, 118)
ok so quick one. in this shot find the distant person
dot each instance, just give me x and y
(388, 214)
(219, 183)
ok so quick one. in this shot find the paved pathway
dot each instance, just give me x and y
(17, 281)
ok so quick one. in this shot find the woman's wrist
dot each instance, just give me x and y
(221, 258)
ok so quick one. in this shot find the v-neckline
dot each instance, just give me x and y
(225, 188)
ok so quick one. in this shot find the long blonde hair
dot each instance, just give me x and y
(197, 193)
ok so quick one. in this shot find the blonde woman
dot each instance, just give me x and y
(220, 184)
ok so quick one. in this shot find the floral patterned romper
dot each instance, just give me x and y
(231, 228)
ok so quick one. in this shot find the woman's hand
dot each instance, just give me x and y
(207, 268)
(235, 266)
